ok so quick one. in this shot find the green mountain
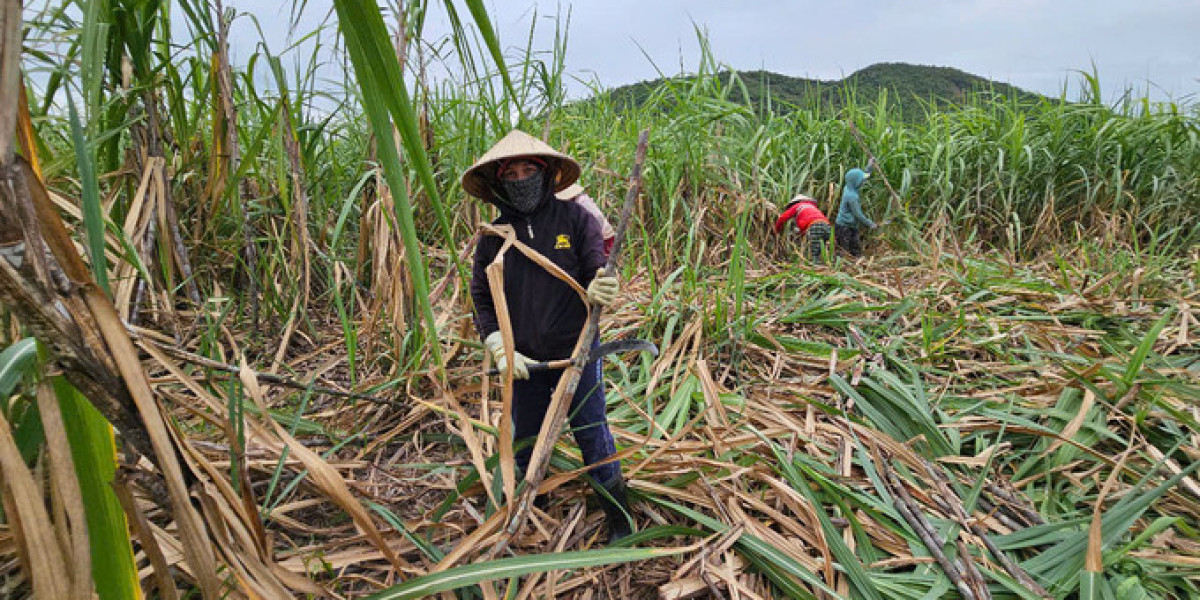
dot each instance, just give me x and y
(913, 88)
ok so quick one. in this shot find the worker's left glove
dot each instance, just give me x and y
(603, 289)
(495, 345)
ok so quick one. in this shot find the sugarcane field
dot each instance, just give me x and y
(409, 299)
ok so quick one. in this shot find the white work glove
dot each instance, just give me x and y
(603, 290)
(495, 344)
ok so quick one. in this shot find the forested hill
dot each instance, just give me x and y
(911, 87)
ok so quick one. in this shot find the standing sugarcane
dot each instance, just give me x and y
(559, 254)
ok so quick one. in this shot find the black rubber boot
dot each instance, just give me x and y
(614, 501)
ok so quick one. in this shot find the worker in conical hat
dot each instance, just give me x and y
(520, 176)
(807, 220)
(480, 179)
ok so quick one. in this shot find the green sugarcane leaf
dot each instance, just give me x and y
(94, 451)
(507, 568)
(375, 63)
(16, 361)
(93, 212)
(1095, 586)
(849, 562)
(375, 66)
(657, 532)
(1144, 348)
(1060, 564)
(492, 41)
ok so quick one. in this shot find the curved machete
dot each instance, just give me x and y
(613, 347)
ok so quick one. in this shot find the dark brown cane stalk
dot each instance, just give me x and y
(911, 511)
(897, 205)
(154, 147)
(958, 512)
(10, 76)
(225, 87)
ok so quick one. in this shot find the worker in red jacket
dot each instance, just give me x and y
(809, 221)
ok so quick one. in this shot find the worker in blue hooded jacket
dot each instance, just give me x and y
(850, 218)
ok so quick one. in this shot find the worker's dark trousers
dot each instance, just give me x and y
(589, 422)
(849, 239)
(818, 241)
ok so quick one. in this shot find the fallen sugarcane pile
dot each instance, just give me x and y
(952, 426)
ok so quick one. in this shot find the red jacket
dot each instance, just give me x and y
(805, 213)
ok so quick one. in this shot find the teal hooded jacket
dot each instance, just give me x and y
(850, 212)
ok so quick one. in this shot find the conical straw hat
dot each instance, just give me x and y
(570, 192)
(800, 198)
(517, 143)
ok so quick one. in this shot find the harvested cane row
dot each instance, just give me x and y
(901, 428)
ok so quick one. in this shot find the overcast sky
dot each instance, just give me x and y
(1152, 46)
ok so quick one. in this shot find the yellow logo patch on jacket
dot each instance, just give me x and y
(562, 242)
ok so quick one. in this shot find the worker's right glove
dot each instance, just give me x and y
(495, 345)
(603, 289)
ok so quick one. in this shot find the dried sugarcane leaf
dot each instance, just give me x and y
(44, 560)
(324, 476)
(68, 491)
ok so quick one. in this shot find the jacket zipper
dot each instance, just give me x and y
(537, 333)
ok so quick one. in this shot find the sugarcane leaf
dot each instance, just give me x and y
(1138, 359)
(93, 212)
(16, 361)
(1060, 564)
(785, 567)
(382, 87)
(506, 568)
(847, 560)
(93, 450)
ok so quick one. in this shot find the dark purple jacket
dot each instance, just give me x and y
(547, 315)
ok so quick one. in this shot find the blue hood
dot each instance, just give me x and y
(855, 178)
(850, 212)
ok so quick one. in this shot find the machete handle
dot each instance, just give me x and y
(537, 367)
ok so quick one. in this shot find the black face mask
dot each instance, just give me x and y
(524, 195)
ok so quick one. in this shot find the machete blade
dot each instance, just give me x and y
(621, 347)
